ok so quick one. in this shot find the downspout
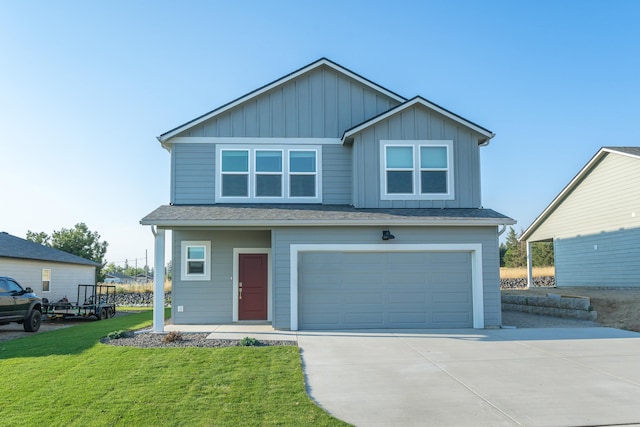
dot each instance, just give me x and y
(504, 228)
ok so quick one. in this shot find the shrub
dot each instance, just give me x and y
(249, 342)
(172, 337)
(119, 334)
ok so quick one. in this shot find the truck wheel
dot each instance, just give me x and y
(32, 322)
(102, 314)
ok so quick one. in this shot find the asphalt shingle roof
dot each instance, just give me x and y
(314, 215)
(15, 247)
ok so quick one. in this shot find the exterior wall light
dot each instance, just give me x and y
(386, 235)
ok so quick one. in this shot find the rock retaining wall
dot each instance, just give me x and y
(546, 282)
(551, 305)
(140, 299)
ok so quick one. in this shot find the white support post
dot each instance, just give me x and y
(529, 266)
(158, 282)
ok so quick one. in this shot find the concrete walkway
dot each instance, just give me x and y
(501, 377)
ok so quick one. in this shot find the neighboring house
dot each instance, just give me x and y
(594, 223)
(118, 278)
(325, 201)
(50, 272)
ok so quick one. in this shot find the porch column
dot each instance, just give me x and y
(158, 282)
(529, 266)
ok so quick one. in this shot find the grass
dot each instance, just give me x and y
(67, 377)
(521, 273)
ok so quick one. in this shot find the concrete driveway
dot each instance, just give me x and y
(494, 377)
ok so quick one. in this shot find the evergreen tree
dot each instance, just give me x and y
(516, 253)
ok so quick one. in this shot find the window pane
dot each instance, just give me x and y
(195, 252)
(195, 267)
(433, 182)
(268, 161)
(302, 186)
(302, 161)
(269, 185)
(433, 157)
(235, 161)
(235, 185)
(400, 157)
(399, 182)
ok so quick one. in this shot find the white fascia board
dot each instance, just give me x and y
(165, 137)
(427, 104)
(477, 281)
(253, 141)
(480, 222)
(560, 197)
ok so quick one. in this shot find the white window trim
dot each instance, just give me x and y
(475, 249)
(42, 282)
(417, 195)
(207, 260)
(285, 149)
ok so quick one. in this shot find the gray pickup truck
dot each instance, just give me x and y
(19, 305)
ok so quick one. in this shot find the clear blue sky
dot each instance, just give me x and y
(86, 86)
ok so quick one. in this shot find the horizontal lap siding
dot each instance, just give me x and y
(416, 123)
(210, 301)
(193, 174)
(284, 237)
(603, 259)
(65, 278)
(607, 199)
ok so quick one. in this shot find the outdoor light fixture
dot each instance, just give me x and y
(386, 235)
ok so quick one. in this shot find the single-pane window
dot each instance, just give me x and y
(399, 157)
(235, 161)
(269, 185)
(433, 157)
(302, 186)
(268, 161)
(302, 161)
(399, 182)
(235, 185)
(433, 182)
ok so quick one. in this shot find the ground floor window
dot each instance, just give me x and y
(46, 280)
(196, 264)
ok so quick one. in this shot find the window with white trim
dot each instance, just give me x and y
(46, 280)
(416, 170)
(196, 260)
(268, 174)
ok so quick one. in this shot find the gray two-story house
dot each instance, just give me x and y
(325, 201)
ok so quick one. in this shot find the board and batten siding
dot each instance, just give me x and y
(607, 199)
(319, 104)
(417, 123)
(210, 301)
(283, 238)
(194, 177)
(65, 278)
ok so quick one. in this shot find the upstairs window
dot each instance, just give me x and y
(416, 170)
(269, 174)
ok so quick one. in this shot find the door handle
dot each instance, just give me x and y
(240, 293)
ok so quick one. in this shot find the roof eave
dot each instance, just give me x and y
(439, 222)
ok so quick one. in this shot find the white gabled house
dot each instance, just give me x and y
(325, 201)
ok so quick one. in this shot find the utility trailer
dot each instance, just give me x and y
(97, 301)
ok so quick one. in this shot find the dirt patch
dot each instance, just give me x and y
(617, 308)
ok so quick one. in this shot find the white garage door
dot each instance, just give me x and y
(345, 290)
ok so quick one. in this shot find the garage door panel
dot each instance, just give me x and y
(385, 290)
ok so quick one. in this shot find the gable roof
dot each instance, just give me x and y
(633, 152)
(316, 64)
(15, 247)
(418, 100)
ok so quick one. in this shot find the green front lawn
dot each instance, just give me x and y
(67, 377)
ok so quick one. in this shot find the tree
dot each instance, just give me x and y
(542, 254)
(516, 253)
(78, 241)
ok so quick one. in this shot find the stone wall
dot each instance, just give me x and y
(551, 305)
(546, 282)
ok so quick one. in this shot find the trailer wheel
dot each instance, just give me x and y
(102, 314)
(110, 312)
(32, 322)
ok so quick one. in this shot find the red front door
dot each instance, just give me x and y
(252, 287)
